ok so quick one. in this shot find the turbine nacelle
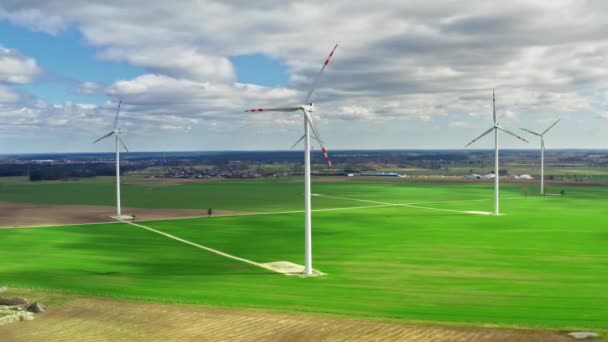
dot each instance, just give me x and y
(308, 107)
(116, 131)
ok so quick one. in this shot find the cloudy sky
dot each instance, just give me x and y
(407, 73)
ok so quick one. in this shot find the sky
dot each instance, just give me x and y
(406, 74)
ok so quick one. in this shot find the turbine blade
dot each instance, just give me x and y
(327, 159)
(531, 132)
(297, 142)
(511, 133)
(122, 143)
(547, 130)
(314, 136)
(317, 137)
(494, 105)
(117, 112)
(315, 83)
(481, 136)
(323, 150)
(279, 109)
(313, 127)
(105, 136)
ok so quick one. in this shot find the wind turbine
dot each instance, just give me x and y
(309, 125)
(542, 154)
(116, 132)
(497, 127)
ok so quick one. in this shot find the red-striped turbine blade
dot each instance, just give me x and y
(315, 83)
(327, 159)
(281, 109)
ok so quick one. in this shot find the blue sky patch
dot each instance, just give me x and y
(66, 61)
(261, 70)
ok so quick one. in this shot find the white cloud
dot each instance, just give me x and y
(397, 60)
(35, 19)
(459, 124)
(8, 96)
(16, 68)
(176, 61)
(20, 117)
(159, 94)
(90, 88)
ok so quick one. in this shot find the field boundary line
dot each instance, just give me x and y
(377, 205)
(61, 225)
(203, 216)
(395, 204)
(413, 205)
(275, 212)
(462, 201)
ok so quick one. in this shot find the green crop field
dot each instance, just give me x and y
(543, 264)
(257, 195)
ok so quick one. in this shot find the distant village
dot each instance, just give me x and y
(470, 165)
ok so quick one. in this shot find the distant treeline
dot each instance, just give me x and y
(13, 170)
(42, 172)
(51, 172)
(266, 163)
(58, 172)
(430, 159)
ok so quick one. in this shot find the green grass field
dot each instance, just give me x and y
(543, 264)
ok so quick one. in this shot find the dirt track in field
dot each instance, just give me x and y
(97, 320)
(27, 215)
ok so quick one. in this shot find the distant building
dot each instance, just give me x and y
(382, 174)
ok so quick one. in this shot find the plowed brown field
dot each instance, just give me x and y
(27, 215)
(106, 320)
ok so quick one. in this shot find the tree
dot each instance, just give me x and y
(209, 212)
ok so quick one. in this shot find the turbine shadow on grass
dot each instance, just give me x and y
(109, 273)
(151, 256)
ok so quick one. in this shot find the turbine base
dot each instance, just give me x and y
(290, 269)
(123, 217)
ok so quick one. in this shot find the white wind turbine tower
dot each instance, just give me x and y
(542, 154)
(497, 127)
(116, 132)
(309, 125)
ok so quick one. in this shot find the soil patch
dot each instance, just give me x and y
(28, 215)
(96, 320)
